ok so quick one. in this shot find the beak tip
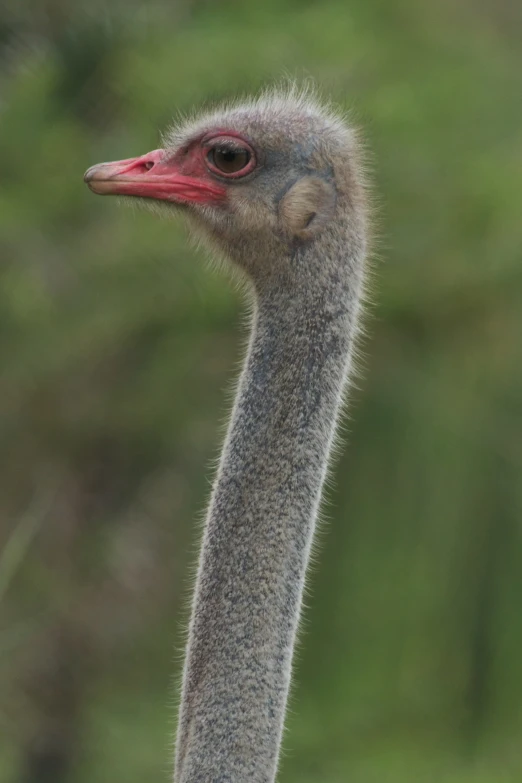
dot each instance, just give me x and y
(94, 181)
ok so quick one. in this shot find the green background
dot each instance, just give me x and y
(118, 344)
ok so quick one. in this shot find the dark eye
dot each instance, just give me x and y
(227, 160)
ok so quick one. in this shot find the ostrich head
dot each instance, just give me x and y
(259, 179)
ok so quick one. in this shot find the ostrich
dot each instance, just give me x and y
(275, 186)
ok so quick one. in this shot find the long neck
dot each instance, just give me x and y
(259, 531)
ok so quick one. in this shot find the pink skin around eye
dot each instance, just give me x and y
(183, 179)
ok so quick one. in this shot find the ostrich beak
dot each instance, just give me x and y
(151, 176)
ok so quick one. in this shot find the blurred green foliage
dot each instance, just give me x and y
(116, 343)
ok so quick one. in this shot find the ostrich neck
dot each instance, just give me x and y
(258, 534)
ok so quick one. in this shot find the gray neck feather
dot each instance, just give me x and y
(260, 527)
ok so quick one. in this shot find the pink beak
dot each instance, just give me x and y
(151, 176)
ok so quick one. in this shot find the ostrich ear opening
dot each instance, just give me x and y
(307, 207)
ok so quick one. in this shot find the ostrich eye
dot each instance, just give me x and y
(227, 160)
